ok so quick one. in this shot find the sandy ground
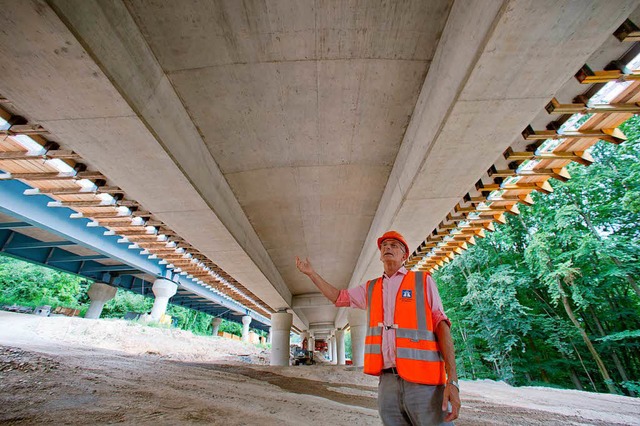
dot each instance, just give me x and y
(75, 371)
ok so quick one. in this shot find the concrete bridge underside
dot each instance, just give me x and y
(262, 130)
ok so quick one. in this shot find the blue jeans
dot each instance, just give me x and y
(402, 403)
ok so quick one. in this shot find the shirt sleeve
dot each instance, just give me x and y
(353, 298)
(437, 310)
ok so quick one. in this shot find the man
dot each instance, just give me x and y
(408, 341)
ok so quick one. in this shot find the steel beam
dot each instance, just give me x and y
(33, 210)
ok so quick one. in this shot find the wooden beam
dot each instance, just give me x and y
(628, 31)
(561, 174)
(614, 135)
(521, 198)
(82, 203)
(544, 187)
(52, 176)
(588, 76)
(57, 153)
(75, 191)
(25, 129)
(581, 157)
(104, 215)
(554, 107)
(141, 237)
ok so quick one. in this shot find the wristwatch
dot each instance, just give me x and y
(454, 383)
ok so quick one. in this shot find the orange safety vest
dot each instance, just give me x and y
(418, 358)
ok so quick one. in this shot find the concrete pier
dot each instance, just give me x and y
(358, 324)
(340, 347)
(246, 320)
(163, 290)
(281, 328)
(99, 293)
(334, 352)
(215, 324)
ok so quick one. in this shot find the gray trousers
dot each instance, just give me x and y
(402, 403)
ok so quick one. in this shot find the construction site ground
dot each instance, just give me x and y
(74, 371)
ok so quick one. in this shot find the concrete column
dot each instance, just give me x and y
(269, 337)
(280, 331)
(246, 320)
(358, 324)
(163, 290)
(340, 346)
(329, 348)
(215, 323)
(312, 344)
(334, 352)
(99, 293)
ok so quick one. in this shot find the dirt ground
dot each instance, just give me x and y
(75, 371)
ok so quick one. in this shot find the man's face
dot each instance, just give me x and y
(392, 251)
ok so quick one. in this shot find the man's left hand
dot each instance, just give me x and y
(452, 395)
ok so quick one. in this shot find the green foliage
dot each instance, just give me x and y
(231, 327)
(627, 334)
(347, 345)
(126, 301)
(575, 251)
(31, 285)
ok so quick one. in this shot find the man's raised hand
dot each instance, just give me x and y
(304, 266)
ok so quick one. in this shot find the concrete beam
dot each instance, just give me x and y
(321, 326)
(310, 300)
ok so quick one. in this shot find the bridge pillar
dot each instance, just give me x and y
(215, 323)
(99, 293)
(269, 337)
(358, 325)
(334, 350)
(280, 331)
(163, 290)
(311, 343)
(340, 346)
(246, 320)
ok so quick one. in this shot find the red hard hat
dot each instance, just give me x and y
(393, 235)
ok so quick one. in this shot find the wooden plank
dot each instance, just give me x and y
(544, 187)
(587, 76)
(58, 153)
(614, 135)
(561, 174)
(583, 157)
(84, 203)
(554, 107)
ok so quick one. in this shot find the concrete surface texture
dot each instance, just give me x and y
(262, 130)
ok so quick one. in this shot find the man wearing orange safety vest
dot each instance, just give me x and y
(408, 342)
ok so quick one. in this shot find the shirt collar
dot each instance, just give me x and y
(401, 271)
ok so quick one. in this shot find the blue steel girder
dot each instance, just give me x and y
(33, 211)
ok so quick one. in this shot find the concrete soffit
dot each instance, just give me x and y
(113, 40)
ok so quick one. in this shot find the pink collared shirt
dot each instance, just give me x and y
(357, 298)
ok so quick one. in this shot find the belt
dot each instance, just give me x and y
(392, 370)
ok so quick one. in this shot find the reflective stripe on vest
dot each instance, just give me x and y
(374, 331)
(416, 335)
(419, 354)
(418, 358)
(373, 349)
